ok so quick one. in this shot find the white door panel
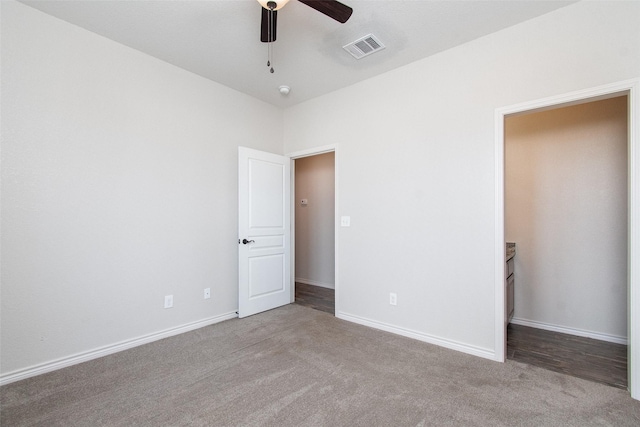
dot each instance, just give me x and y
(264, 223)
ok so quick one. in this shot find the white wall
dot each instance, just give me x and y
(418, 180)
(566, 209)
(315, 236)
(119, 186)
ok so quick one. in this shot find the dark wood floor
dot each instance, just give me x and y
(586, 358)
(322, 299)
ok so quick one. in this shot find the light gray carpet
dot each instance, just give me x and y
(295, 366)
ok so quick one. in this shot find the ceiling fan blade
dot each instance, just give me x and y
(268, 25)
(332, 8)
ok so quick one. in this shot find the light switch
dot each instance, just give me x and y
(304, 202)
(345, 221)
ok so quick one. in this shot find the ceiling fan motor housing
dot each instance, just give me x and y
(273, 4)
(331, 8)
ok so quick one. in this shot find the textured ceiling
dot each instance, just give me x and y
(219, 40)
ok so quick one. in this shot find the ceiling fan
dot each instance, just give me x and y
(332, 8)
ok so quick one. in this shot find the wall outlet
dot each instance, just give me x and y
(168, 301)
(393, 299)
(207, 293)
(345, 221)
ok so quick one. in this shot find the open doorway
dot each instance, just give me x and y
(314, 231)
(630, 88)
(566, 210)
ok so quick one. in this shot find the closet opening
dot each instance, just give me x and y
(314, 213)
(566, 210)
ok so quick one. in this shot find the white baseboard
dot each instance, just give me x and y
(64, 362)
(571, 331)
(453, 345)
(315, 283)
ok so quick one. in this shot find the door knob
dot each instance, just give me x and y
(245, 241)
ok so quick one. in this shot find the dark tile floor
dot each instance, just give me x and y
(322, 299)
(586, 358)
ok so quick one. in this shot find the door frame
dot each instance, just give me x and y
(630, 88)
(333, 148)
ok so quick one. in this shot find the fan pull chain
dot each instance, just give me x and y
(270, 36)
(270, 58)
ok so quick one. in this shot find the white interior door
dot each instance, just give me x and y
(264, 239)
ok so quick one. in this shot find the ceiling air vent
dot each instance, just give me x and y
(364, 46)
